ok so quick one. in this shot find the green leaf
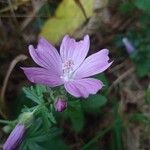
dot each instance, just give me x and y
(142, 4)
(104, 79)
(76, 115)
(117, 135)
(56, 144)
(44, 114)
(147, 96)
(143, 69)
(68, 17)
(142, 59)
(140, 118)
(116, 142)
(77, 119)
(126, 7)
(40, 89)
(36, 136)
(94, 102)
(35, 93)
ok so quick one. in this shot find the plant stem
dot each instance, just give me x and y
(5, 122)
(99, 135)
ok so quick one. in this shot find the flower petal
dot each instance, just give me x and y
(45, 55)
(15, 138)
(42, 76)
(75, 51)
(94, 64)
(83, 87)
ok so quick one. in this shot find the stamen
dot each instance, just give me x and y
(67, 67)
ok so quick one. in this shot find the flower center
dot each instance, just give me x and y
(67, 67)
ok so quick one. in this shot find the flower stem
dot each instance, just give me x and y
(5, 122)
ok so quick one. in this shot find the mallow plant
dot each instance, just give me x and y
(62, 80)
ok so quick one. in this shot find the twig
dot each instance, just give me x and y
(117, 67)
(32, 15)
(79, 4)
(120, 78)
(7, 8)
(11, 67)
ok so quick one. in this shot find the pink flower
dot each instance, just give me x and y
(71, 68)
(15, 138)
(60, 105)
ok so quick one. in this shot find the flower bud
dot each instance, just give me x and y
(15, 138)
(26, 118)
(60, 105)
(7, 128)
(129, 47)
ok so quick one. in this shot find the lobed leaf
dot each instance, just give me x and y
(94, 102)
